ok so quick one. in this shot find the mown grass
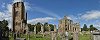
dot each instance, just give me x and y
(84, 36)
(33, 37)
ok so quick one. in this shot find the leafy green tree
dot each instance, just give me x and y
(29, 26)
(38, 27)
(45, 27)
(85, 28)
(4, 28)
(92, 28)
(4, 25)
(51, 27)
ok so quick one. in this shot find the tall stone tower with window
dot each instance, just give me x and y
(19, 18)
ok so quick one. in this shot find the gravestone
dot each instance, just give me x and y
(96, 35)
(20, 39)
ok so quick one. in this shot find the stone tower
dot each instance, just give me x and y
(19, 17)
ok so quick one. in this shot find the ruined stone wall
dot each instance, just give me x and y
(66, 24)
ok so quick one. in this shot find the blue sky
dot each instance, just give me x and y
(83, 11)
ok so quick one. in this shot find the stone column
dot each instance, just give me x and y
(42, 29)
(53, 35)
(55, 28)
(49, 28)
(35, 30)
(26, 28)
(66, 35)
(75, 36)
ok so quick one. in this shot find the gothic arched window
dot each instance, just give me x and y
(16, 13)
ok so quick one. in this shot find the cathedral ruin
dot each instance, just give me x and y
(68, 25)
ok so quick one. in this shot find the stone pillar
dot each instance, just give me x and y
(66, 35)
(75, 36)
(49, 28)
(55, 28)
(35, 30)
(26, 28)
(53, 35)
(42, 29)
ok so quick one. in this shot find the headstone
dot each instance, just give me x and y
(96, 35)
(20, 39)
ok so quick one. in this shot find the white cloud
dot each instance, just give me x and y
(41, 20)
(17, 1)
(69, 17)
(27, 6)
(89, 15)
(9, 8)
(7, 14)
(74, 18)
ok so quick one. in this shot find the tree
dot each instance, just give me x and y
(4, 28)
(31, 27)
(51, 27)
(4, 25)
(38, 27)
(85, 28)
(45, 26)
(92, 28)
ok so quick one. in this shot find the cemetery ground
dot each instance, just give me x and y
(82, 36)
(34, 37)
(85, 36)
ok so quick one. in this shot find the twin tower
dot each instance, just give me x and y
(19, 18)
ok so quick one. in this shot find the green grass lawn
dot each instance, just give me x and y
(84, 37)
(47, 37)
(34, 37)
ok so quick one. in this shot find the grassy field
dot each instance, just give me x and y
(84, 36)
(33, 37)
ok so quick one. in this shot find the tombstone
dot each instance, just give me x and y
(20, 39)
(75, 36)
(96, 36)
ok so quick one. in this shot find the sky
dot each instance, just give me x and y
(51, 11)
